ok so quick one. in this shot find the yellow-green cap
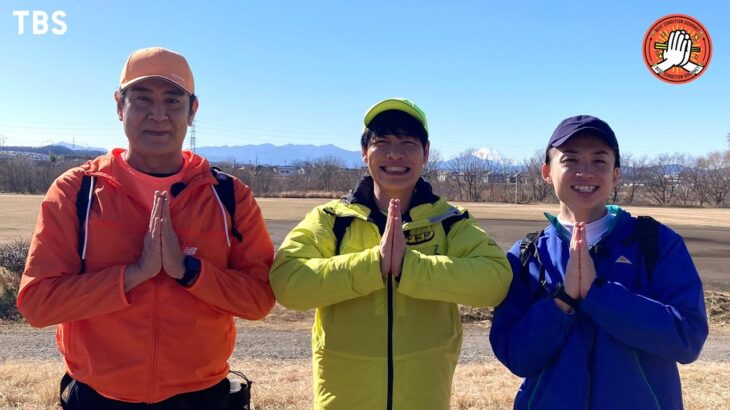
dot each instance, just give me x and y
(400, 104)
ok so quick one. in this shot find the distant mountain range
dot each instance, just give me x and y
(58, 149)
(289, 154)
(79, 147)
(263, 154)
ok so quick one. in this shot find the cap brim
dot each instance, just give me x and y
(584, 131)
(126, 85)
(395, 104)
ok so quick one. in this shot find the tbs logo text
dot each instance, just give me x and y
(39, 22)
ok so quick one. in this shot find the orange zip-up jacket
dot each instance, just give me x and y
(160, 338)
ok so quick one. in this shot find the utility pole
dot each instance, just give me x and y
(192, 137)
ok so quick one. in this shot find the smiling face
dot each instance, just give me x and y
(156, 114)
(395, 163)
(583, 174)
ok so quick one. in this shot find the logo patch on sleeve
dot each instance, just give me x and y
(419, 236)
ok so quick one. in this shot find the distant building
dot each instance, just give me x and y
(288, 171)
(6, 155)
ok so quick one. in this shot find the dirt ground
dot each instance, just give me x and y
(284, 336)
(706, 231)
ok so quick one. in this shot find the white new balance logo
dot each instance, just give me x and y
(190, 250)
(623, 259)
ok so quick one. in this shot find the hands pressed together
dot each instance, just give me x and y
(580, 272)
(678, 53)
(161, 248)
(393, 242)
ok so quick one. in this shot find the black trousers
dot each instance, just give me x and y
(82, 397)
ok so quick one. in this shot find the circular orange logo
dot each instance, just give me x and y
(677, 49)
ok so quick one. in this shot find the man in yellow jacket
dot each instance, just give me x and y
(386, 268)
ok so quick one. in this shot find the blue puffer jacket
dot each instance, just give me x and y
(620, 349)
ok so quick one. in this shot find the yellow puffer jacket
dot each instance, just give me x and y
(358, 316)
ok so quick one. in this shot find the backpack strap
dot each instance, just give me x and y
(225, 190)
(340, 226)
(647, 234)
(528, 249)
(450, 221)
(343, 222)
(84, 198)
(66, 390)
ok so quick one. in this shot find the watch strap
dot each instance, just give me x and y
(192, 270)
(560, 294)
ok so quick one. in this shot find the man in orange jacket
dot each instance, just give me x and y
(145, 280)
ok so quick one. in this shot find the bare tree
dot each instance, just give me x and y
(634, 173)
(718, 176)
(325, 173)
(661, 179)
(471, 174)
(433, 166)
(532, 176)
(697, 177)
(683, 190)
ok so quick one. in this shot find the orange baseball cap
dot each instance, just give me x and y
(157, 62)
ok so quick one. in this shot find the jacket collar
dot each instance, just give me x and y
(619, 214)
(109, 168)
(364, 194)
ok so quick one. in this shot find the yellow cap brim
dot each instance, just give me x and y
(400, 104)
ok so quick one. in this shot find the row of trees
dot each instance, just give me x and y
(665, 180)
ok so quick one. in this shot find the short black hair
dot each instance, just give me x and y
(394, 122)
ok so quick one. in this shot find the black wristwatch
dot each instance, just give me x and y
(192, 270)
(559, 293)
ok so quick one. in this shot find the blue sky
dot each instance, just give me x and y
(488, 74)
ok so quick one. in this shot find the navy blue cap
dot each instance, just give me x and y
(583, 125)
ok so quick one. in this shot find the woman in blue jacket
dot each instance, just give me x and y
(602, 305)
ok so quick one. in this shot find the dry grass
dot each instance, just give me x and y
(287, 385)
(310, 194)
(718, 307)
(29, 385)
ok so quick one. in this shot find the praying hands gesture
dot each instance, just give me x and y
(580, 271)
(393, 242)
(160, 249)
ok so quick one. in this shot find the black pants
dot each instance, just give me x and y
(82, 397)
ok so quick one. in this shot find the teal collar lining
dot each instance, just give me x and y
(562, 231)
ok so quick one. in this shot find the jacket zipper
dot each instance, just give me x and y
(646, 380)
(389, 404)
(154, 342)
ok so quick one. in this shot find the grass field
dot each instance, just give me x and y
(280, 384)
(286, 384)
(18, 213)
